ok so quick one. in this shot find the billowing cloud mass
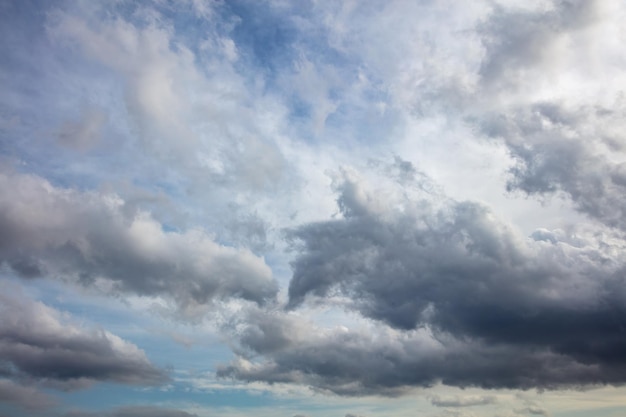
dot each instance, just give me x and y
(38, 344)
(456, 266)
(95, 240)
(473, 302)
(562, 143)
(356, 208)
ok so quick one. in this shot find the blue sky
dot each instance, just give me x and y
(306, 209)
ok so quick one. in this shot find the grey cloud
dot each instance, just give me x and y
(91, 239)
(388, 362)
(515, 41)
(454, 268)
(39, 346)
(24, 396)
(466, 401)
(567, 150)
(571, 145)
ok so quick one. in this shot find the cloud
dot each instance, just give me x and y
(85, 133)
(535, 411)
(520, 40)
(205, 123)
(381, 361)
(134, 411)
(573, 151)
(541, 95)
(24, 396)
(41, 345)
(232, 114)
(95, 240)
(465, 401)
(504, 311)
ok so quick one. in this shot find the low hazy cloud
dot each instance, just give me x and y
(134, 411)
(24, 396)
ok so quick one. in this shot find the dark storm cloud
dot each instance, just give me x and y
(516, 312)
(37, 345)
(93, 239)
(388, 362)
(456, 267)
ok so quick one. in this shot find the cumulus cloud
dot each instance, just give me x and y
(578, 152)
(382, 361)
(504, 310)
(41, 345)
(93, 239)
(541, 94)
(444, 265)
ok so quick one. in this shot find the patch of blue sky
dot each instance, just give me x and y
(265, 37)
(9, 410)
(107, 396)
(299, 109)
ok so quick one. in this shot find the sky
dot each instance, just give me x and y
(312, 208)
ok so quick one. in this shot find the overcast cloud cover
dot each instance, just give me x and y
(312, 208)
